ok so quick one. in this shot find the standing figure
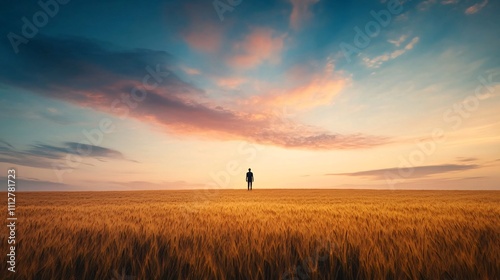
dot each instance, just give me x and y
(249, 179)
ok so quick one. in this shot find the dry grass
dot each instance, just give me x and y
(263, 234)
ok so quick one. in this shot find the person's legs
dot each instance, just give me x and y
(250, 183)
(248, 186)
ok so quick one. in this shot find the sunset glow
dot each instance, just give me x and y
(309, 94)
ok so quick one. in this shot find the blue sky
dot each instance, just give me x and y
(189, 94)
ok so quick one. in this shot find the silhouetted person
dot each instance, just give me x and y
(249, 179)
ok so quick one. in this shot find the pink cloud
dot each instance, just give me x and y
(300, 12)
(476, 7)
(317, 92)
(230, 82)
(190, 71)
(259, 46)
(425, 5)
(204, 37)
(119, 87)
(312, 89)
(201, 32)
(170, 110)
(448, 2)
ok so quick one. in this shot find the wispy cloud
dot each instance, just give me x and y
(55, 115)
(425, 5)
(418, 171)
(33, 185)
(449, 2)
(43, 155)
(476, 7)
(467, 159)
(190, 71)
(398, 41)
(4, 145)
(9, 154)
(379, 60)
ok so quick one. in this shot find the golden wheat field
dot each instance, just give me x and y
(262, 234)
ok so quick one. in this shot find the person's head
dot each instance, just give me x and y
(249, 169)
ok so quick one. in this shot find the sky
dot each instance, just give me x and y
(146, 95)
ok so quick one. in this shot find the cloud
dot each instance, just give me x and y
(93, 151)
(418, 171)
(309, 86)
(199, 29)
(44, 156)
(376, 62)
(398, 41)
(190, 71)
(402, 17)
(35, 185)
(9, 154)
(4, 145)
(466, 159)
(90, 75)
(261, 45)
(318, 91)
(476, 7)
(230, 82)
(425, 5)
(30, 185)
(472, 178)
(54, 115)
(206, 37)
(300, 12)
